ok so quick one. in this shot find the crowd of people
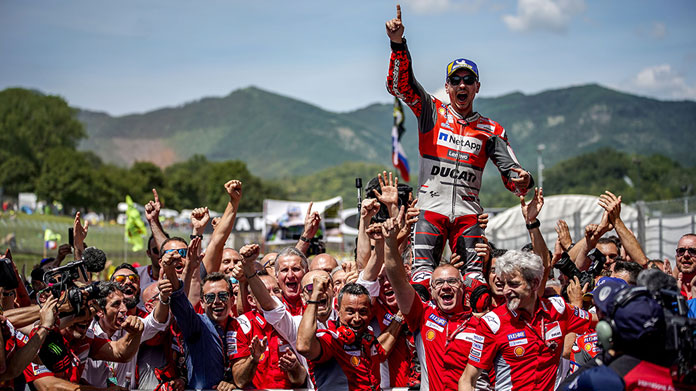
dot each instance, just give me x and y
(585, 313)
(236, 318)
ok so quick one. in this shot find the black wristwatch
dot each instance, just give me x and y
(304, 239)
(196, 236)
(533, 225)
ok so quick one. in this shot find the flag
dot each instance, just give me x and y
(398, 155)
(51, 239)
(135, 228)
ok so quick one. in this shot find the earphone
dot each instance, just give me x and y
(606, 328)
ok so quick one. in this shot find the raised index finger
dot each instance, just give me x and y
(398, 12)
(154, 192)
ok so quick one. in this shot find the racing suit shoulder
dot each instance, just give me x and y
(401, 83)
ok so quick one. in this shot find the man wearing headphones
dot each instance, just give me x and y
(632, 334)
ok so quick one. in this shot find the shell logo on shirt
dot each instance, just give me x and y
(430, 335)
(519, 351)
(355, 361)
(588, 347)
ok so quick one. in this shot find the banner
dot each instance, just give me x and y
(398, 155)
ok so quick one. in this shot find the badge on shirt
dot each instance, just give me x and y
(517, 339)
(387, 319)
(354, 353)
(355, 361)
(435, 326)
(553, 331)
(231, 339)
(430, 335)
(519, 351)
(437, 319)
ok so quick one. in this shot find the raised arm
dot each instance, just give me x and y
(530, 212)
(192, 270)
(307, 342)
(374, 264)
(250, 252)
(368, 210)
(394, 265)
(311, 226)
(24, 355)
(199, 219)
(390, 335)
(213, 254)
(152, 211)
(612, 205)
(79, 236)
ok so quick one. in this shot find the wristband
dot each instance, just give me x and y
(196, 236)
(251, 276)
(399, 319)
(313, 301)
(164, 302)
(304, 239)
(534, 224)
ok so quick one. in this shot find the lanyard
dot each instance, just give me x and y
(450, 337)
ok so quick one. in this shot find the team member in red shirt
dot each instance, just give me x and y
(523, 340)
(290, 266)
(443, 328)
(349, 341)
(277, 366)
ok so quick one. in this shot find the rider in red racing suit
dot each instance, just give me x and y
(454, 144)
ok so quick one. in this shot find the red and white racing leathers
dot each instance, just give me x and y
(453, 153)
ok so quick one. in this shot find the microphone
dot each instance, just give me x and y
(94, 259)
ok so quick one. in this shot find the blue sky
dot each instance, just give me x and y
(134, 56)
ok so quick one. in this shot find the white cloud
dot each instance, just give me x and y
(438, 6)
(663, 82)
(659, 30)
(549, 15)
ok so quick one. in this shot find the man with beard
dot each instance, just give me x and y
(454, 144)
(349, 341)
(111, 314)
(523, 340)
(126, 276)
(443, 328)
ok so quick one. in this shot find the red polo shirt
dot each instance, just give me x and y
(446, 340)
(359, 362)
(524, 352)
(268, 373)
(399, 358)
(14, 339)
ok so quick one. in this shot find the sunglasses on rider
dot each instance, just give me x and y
(683, 250)
(210, 297)
(308, 288)
(181, 251)
(121, 279)
(467, 79)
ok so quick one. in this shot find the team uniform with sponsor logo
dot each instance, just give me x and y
(442, 342)
(453, 153)
(525, 353)
(70, 369)
(268, 373)
(295, 310)
(396, 370)
(14, 339)
(359, 359)
(584, 349)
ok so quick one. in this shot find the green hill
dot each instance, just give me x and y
(279, 137)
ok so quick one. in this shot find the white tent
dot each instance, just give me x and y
(507, 229)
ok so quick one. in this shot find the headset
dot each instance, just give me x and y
(606, 328)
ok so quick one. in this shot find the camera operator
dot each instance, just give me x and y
(632, 334)
(19, 349)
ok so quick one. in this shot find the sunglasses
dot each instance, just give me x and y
(308, 288)
(682, 250)
(9, 293)
(154, 250)
(468, 80)
(210, 297)
(181, 251)
(121, 279)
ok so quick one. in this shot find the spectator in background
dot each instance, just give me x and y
(324, 262)
(627, 271)
(610, 249)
